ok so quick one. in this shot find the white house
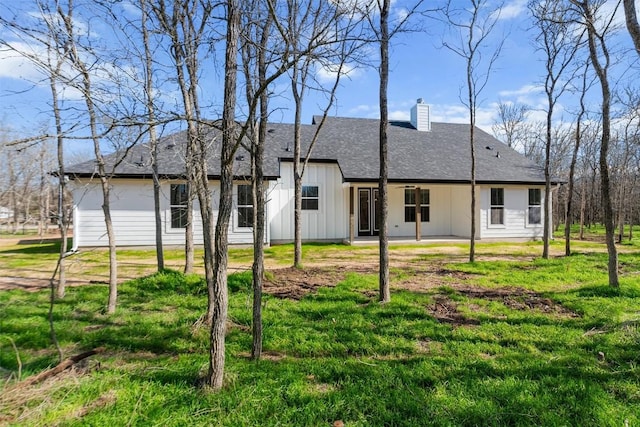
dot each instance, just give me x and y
(429, 186)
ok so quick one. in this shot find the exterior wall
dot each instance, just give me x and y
(133, 217)
(460, 216)
(516, 204)
(448, 212)
(440, 212)
(329, 222)
(449, 207)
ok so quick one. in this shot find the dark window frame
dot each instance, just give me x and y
(244, 205)
(310, 197)
(410, 205)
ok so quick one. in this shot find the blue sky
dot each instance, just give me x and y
(420, 68)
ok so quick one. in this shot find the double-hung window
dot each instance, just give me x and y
(245, 205)
(534, 215)
(179, 198)
(410, 205)
(310, 198)
(497, 206)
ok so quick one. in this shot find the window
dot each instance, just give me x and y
(535, 206)
(497, 206)
(179, 198)
(310, 198)
(410, 205)
(245, 206)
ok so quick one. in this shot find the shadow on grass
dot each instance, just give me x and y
(37, 247)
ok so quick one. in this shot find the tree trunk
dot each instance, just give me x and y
(153, 138)
(258, 233)
(472, 240)
(113, 263)
(188, 231)
(605, 185)
(215, 375)
(259, 200)
(87, 93)
(297, 172)
(583, 207)
(385, 292)
(547, 176)
(631, 18)
(63, 223)
(572, 170)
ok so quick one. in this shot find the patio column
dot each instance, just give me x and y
(418, 215)
(352, 218)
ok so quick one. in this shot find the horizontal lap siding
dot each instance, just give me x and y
(133, 216)
(516, 203)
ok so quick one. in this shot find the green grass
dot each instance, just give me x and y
(340, 355)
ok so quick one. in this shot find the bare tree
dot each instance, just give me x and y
(85, 86)
(257, 22)
(219, 304)
(597, 33)
(54, 42)
(308, 23)
(177, 20)
(511, 124)
(383, 39)
(474, 23)
(585, 84)
(556, 39)
(153, 137)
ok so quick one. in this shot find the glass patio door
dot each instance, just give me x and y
(368, 205)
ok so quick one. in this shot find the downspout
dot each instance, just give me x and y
(557, 187)
(74, 248)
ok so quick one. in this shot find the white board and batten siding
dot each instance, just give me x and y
(132, 214)
(516, 206)
(331, 220)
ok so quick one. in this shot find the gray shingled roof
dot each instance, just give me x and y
(441, 155)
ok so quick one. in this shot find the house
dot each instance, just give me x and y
(5, 214)
(429, 186)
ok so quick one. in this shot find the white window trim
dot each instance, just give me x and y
(313, 211)
(167, 220)
(504, 210)
(320, 209)
(526, 216)
(235, 219)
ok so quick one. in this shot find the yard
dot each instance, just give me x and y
(508, 340)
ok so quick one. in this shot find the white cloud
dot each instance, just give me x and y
(14, 65)
(399, 115)
(524, 90)
(369, 111)
(328, 73)
(513, 9)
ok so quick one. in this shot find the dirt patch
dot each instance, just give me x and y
(427, 279)
(518, 299)
(295, 283)
(445, 309)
